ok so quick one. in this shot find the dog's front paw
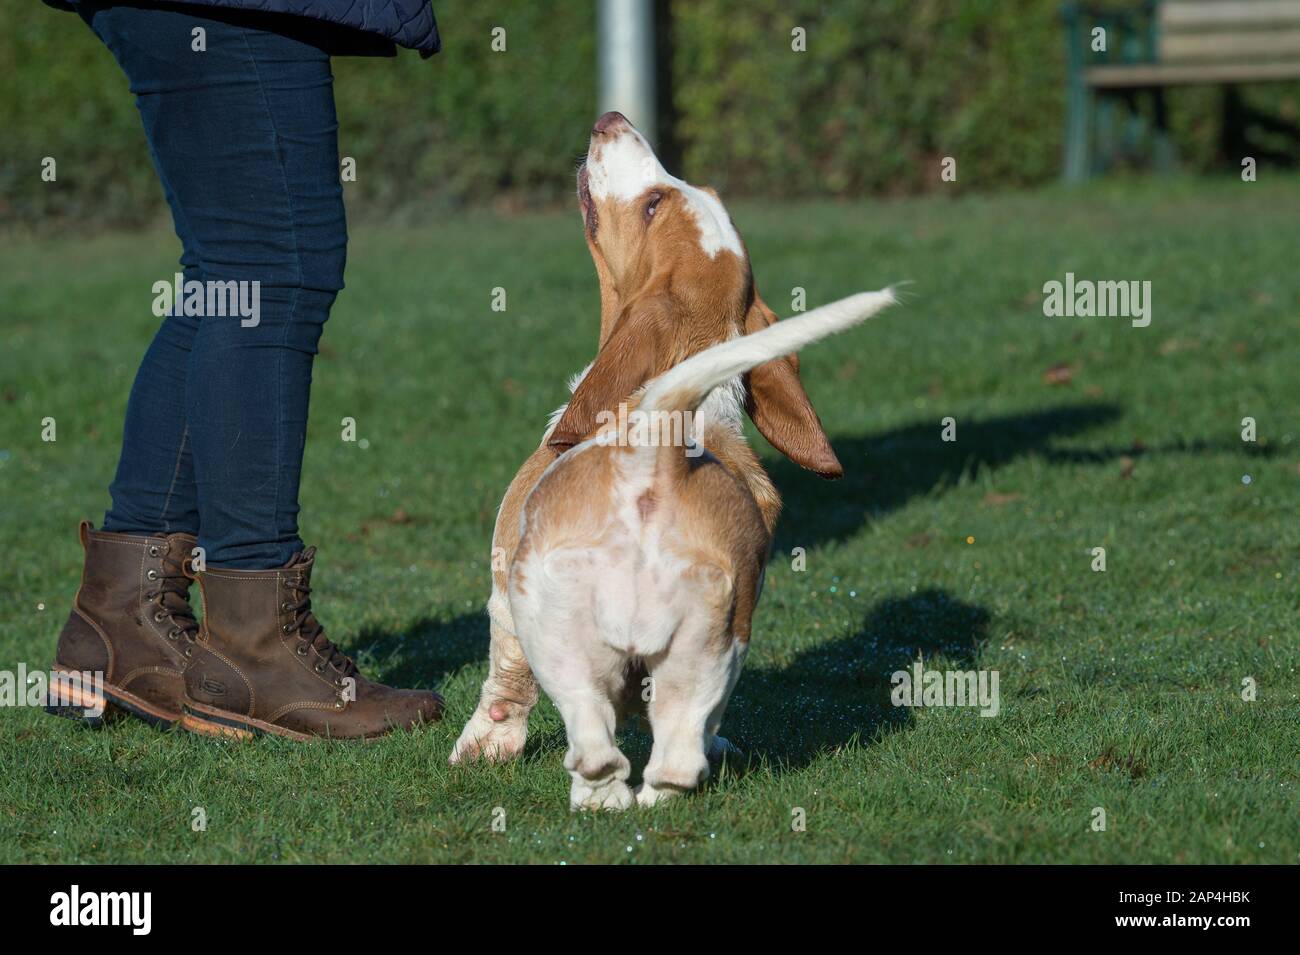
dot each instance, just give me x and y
(614, 795)
(494, 740)
(648, 795)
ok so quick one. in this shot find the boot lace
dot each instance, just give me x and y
(173, 596)
(312, 633)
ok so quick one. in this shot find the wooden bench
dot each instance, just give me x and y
(1166, 43)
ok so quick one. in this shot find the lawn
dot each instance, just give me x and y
(1120, 690)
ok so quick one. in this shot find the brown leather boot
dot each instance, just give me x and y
(131, 621)
(262, 664)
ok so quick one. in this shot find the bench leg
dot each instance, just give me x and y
(1107, 135)
(1078, 158)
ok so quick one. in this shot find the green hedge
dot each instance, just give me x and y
(885, 90)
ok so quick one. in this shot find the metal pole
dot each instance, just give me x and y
(626, 42)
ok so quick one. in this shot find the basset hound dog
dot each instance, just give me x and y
(630, 548)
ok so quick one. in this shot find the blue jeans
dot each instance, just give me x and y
(245, 142)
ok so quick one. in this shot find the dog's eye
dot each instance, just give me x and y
(652, 204)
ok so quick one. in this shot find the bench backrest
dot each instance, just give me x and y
(1228, 31)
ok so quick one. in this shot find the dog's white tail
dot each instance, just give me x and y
(686, 385)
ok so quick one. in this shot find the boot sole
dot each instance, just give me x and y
(77, 704)
(208, 721)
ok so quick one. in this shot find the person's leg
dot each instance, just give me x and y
(249, 386)
(153, 491)
(244, 137)
(245, 140)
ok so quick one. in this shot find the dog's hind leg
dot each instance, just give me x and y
(498, 728)
(581, 673)
(598, 769)
(583, 677)
(690, 686)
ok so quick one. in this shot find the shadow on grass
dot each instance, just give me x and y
(425, 653)
(836, 691)
(883, 472)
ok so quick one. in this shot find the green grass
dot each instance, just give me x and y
(1119, 690)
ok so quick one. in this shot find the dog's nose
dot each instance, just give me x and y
(611, 122)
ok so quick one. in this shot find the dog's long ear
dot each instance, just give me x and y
(632, 355)
(779, 406)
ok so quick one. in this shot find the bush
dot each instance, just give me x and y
(886, 89)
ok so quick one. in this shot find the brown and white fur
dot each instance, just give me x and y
(626, 572)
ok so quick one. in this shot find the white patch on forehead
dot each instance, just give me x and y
(627, 167)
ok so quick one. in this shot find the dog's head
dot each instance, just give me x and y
(674, 279)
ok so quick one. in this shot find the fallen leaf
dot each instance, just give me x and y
(1130, 764)
(1171, 345)
(1058, 375)
(994, 499)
